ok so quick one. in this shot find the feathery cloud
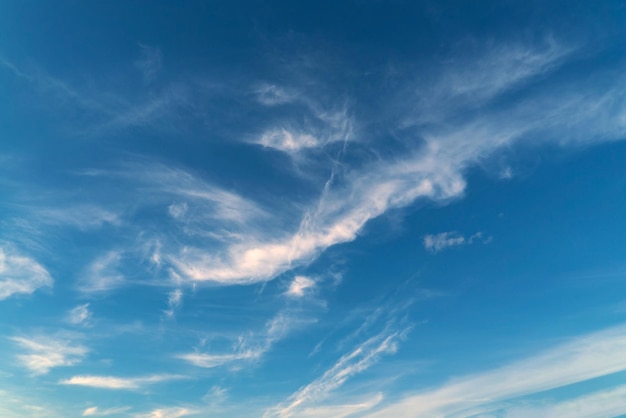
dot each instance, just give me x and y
(80, 315)
(299, 285)
(46, 352)
(119, 383)
(20, 274)
(102, 275)
(97, 412)
(174, 412)
(361, 358)
(583, 358)
(437, 242)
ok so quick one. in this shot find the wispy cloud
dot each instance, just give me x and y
(214, 360)
(437, 242)
(299, 285)
(361, 358)
(584, 358)
(253, 347)
(20, 274)
(150, 62)
(172, 412)
(288, 141)
(102, 274)
(273, 95)
(43, 353)
(120, 383)
(348, 408)
(174, 300)
(80, 315)
(80, 216)
(598, 404)
(97, 412)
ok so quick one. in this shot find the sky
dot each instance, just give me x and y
(312, 209)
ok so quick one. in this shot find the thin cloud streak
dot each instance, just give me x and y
(119, 383)
(173, 412)
(361, 358)
(97, 412)
(584, 358)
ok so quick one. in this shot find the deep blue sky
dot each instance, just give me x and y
(323, 209)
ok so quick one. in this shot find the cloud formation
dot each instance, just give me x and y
(173, 412)
(361, 358)
(20, 274)
(583, 358)
(97, 412)
(43, 353)
(80, 315)
(299, 286)
(437, 242)
(119, 383)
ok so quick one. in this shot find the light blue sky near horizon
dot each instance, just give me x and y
(323, 209)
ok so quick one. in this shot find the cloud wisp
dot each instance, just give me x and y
(20, 274)
(252, 347)
(95, 411)
(438, 242)
(361, 358)
(171, 412)
(102, 274)
(43, 353)
(120, 383)
(299, 286)
(80, 315)
(584, 358)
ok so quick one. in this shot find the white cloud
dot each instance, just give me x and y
(215, 396)
(178, 210)
(80, 315)
(119, 383)
(81, 216)
(437, 242)
(95, 411)
(175, 412)
(287, 141)
(361, 358)
(215, 360)
(606, 403)
(174, 300)
(572, 114)
(102, 274)
(20, 274)
(342, 410)
(299, 285)
(46, 352)
(273, 95)
(584, 358)
(252, 348)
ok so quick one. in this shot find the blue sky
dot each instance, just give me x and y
(323, 209)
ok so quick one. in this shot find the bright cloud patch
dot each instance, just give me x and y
(80, 315)
(174, 412)
(438, 242)
(287, 141)
(299, 285)
(95, 411)
(20, 274)
(116, 383)
(43, 353)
